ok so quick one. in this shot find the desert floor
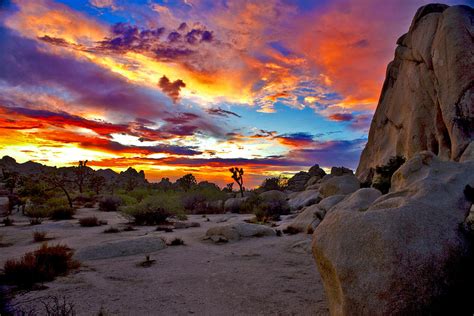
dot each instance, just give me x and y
(253, 276)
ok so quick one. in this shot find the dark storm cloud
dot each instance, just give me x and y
(171, 88)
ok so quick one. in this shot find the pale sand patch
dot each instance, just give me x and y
(253, 276)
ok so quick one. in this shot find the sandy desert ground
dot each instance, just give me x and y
(253, 276)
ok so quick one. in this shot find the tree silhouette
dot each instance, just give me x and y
(81, 172)
(97, 183)
(237, 175)
(187, 182)
(58, 180)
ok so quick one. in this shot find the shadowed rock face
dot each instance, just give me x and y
(406, 253)
(427, 100)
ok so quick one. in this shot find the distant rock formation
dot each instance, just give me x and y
(427, 100)
(34, 168)
(303, 179)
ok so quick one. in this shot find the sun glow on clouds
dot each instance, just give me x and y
(79, 86)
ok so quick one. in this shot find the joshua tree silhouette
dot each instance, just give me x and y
(237, 175)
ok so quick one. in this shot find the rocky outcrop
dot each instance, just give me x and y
(307, 220)
(339, 185)
(273, 195)
(234, 232)
(234, 205)
(427, 100)
(302, 199)
(298, 181)
(407, 253)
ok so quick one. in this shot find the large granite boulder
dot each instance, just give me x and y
(234, 205)
(428, 95)
(316, 171)
(408, 252)
(308, 219)
(301, 199)
(273, 195)
(345, 184)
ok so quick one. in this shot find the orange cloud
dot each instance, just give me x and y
(37, 18)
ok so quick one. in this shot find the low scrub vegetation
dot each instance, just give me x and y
(176, 242)
(112, 230)
(62, 213)
(35, 221)
(266, 210)
(40, 236)
(110, 204)
(155, 210)
(7, 221)
(41, 265)
(383, 174)
(91, 221)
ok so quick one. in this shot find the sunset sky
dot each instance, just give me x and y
(194, 86)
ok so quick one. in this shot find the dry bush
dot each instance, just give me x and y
(40, 236)
(112, 230)
(91, 221)
(41, 265)
(176, 242)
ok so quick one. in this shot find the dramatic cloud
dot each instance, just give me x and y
(171, 88)
(157, 90)
(104, 4)
(222, 112)
(341, 117)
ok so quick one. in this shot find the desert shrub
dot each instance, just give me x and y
(139, 194)
(383, 174)
(7, 221)
(194, 202)
(176, 242)
(62, 213)
(35, 221)
(54, 207)
(265, 210)
(91, 221)
(58, 307)
(112, 230)
(274, 183)
(129, 228)
(41, 265)
(110, 204)
(290, 230)
(181, 216)
(84, 198)
(40, 236)
(155, 210)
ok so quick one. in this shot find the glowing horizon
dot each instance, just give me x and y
(196, 86)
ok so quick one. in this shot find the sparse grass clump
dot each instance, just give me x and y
(176, 242)
(35, 221)
(112, 230)
(39, 236)
(7, 221)
(147, 262)
(129, 228)
(91, 221)
(383, 174)
(62, 213)
(41, 265)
